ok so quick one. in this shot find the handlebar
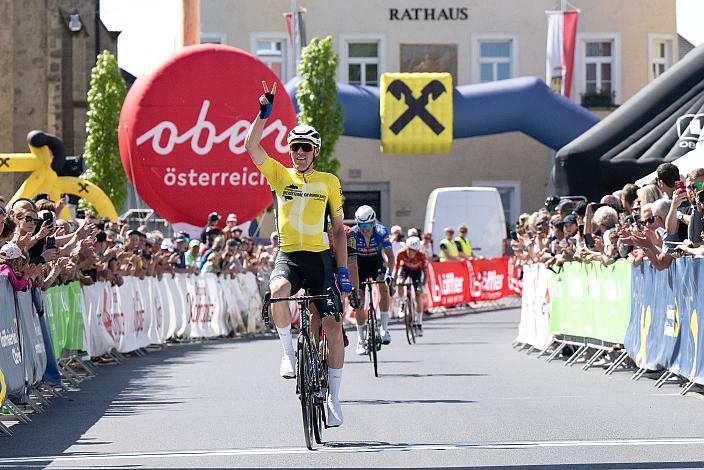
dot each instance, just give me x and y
(268, 301)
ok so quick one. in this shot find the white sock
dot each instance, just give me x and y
(285, 337)
(419, 316)
(334, 380)
(385, 321)
(362, 332)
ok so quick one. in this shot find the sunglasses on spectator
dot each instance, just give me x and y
(696, 186)
(29, 218)
(649, 220)
(365, 225)
(305, 146)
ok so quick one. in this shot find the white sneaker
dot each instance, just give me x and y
(333, 413)
(385, 337)
(361, 349)
(288, 367)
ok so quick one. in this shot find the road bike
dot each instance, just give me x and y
(312, 366)
(407, 308)
(373, 343)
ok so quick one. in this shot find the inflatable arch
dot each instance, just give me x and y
(45, 161)
(523, 104)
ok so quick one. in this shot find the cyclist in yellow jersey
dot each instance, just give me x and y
(302, 197)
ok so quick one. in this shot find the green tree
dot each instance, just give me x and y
(317, 98)
(102, 152)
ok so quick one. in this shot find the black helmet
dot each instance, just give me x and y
(551, 202)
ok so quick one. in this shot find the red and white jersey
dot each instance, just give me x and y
(419, 261)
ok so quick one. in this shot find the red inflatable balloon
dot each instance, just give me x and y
(182, 131)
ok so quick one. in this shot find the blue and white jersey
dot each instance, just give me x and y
(378, 240)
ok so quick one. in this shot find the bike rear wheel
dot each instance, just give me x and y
(319, 408)
(305, 381)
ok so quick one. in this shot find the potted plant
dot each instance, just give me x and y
(598, 98)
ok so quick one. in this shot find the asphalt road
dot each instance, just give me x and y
(461, 397)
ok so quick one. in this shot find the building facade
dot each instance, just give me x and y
(621, 46)
(47, 51)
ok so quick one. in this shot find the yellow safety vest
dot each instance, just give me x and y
(466, 246)
(451, 247)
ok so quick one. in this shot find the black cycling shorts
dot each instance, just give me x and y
(371, 268)
(416, 276)
(313, 272)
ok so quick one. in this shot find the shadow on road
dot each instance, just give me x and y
(116, 391)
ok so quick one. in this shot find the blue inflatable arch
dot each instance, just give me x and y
(523, 104)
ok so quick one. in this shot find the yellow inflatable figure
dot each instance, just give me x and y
(45, 159)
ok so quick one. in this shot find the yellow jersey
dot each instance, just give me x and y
(301, 206)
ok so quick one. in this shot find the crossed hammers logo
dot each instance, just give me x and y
(416, 107)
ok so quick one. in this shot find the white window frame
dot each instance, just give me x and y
(287, 64)
(669, 61)
(477, 39)
(222, 37)
(345, 39)
(515, 200)
(579, 79)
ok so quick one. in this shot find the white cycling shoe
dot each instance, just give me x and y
(385, 337)
(288, 367)
(361, 349)
(333, 413)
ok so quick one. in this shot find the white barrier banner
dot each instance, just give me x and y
(149, 311)
(534, 328)
(98, 336)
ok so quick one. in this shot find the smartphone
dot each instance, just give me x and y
(514, 236)
(50, 243)
(597, 205)
(679, 184)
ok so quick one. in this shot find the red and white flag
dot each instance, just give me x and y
(562, 31)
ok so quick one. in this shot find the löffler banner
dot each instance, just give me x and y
(458, 282)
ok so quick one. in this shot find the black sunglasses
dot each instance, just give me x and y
(649, 220)
(29, 218)
(305, 146)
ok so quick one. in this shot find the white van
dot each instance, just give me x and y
(479, 208)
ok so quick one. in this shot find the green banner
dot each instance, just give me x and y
(592, 300)
(65, 316)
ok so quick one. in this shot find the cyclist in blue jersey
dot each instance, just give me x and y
(375, 260)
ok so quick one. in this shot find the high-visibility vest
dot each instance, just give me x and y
(451, 247)
(466, 246)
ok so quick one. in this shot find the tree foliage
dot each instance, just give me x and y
(102, 152)
(316, 93)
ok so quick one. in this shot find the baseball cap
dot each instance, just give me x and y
(570, 219)
(194, 242)
(231, 216)
(213, 216)
(10, 251)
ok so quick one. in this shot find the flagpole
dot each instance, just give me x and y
(294, 32)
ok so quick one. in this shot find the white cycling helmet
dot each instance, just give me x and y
(413, 243)
(304, 133)
(365, 215)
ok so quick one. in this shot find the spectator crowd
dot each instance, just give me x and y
(659, 221)
(39, 249)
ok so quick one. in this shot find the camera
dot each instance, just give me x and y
(700, 197)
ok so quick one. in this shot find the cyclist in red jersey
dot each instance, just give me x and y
(411, 262)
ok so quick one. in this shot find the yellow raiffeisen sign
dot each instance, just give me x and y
(416, 113)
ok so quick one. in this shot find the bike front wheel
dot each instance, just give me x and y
(408, 319)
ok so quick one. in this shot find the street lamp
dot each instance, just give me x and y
(74, 22)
